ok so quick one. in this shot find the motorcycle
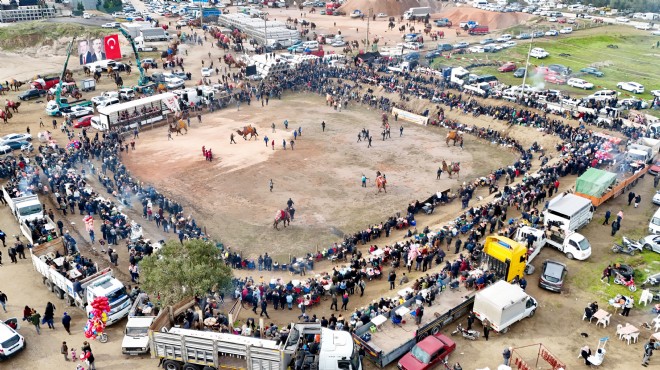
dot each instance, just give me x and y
(637, 245)
(620, 280)
(630, 250)
(467, 334)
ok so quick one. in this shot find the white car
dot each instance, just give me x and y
(87, 15)
(552, 33)
(566, 30)
(509, 44)
(78, 111)
(633, 87)
(655, 33)
(181, 23)
(655, 93)
(206, 72)
(656, 198)
(110, 25)
(539, 53)
(15, 137)
(413, 45)
(644, 27)
(580, 83)
(4, 149)
(381, 15)
(175, 83)
(97, 100)
(504, 38)
(552, 19)
(476, 49)
(338, 43)
(633, 102)
(651, 242)
(622, 20)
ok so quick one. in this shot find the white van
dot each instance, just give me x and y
(96, 124)
(603, 95)
(10, 341)
(311, 45)
(108, 102)
(654, 224)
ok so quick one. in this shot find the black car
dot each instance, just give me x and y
(32, 93)
(445, 47)
(552, 276)
(519, 73)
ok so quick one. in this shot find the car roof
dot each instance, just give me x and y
(554, 268)
(432, 343)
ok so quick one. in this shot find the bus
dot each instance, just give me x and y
(138, 112)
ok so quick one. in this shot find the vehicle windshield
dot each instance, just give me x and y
(31, 210)
(584, 244)
(117, 294)
(421, 355)
(655, 221)
(137, 332)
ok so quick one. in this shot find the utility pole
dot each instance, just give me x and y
(371, 10)
(522, 90)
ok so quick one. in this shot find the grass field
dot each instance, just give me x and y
(635, 58)
(30, 34)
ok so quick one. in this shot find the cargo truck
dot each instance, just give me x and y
(154, 34)
(506, 257)
(599, 186)
(47, 228)
(572, 244)
(503, 304)
(393, 341)
(569, 212)
(25, 207)
(45, 83)
(417, 13)
(73, 287)
(213, 350)
(478, 30)
(136, 335)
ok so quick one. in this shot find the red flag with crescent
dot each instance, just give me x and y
(112, 50)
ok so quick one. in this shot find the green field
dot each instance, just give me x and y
(635, 58)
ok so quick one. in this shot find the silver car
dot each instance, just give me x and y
(651, 243)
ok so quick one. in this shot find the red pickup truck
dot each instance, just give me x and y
(45, 83)
(478, 30)
(428, 353)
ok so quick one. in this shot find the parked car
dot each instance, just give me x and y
(461, 45)
(16, 144)
(110, 25)
(78, 111)
(476, 49)
(559, 68)
(428, 353)
(552, 275)
(509, 44)
(633, 87)
(206, 72)
(592, 71)
(445, 47)
(433, 54)
(381, 15)
(519, 73)
(645, 27)
(15, 137)
(554, 78)
(32, 93)
(486, 41)
(580, 83)
(552, 33)
(5, 149)
(633, 103)
(566, 30)
(83, 121)
(651, 243)
(552, 19)
(504, 38)
(507, 67)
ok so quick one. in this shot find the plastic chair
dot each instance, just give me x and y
(618, 330)
(634, 337)
(657, 326)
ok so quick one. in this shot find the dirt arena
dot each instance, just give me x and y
(230, 196)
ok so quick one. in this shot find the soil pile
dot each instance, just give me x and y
(494, 20)
(394, 8)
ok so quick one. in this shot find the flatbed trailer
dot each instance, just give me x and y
(391, 341)
(618, 189)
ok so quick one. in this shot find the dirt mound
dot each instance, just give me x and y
(494, 20)
(392, 7)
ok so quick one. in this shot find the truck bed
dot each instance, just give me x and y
(392, 336)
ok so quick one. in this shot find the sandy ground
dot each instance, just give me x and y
(322, 175)
(557, 322)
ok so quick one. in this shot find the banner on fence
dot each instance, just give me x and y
(412, 117)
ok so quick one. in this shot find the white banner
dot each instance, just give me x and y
(172, 103)
(414, 118)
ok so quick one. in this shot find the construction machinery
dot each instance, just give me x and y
(55, 106)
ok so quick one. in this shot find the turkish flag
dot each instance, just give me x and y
(112, 50)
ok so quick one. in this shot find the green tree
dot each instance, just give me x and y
(179, 271)
(80, 6)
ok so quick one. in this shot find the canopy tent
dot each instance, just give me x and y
(595, 182)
